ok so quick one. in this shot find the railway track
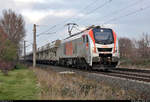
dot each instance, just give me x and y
(133, 70)
(127, 74)
(133, 74)
(130, 74)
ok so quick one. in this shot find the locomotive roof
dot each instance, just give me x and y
(76, 35)
(91, 27)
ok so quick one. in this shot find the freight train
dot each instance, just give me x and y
(92, 48)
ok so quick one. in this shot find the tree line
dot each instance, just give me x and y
(136, 51)
(12, 32)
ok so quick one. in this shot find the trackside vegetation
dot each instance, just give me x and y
(135, 53)
(20, 84)
(56, 86)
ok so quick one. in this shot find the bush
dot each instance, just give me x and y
(8, 53)
(6, 66)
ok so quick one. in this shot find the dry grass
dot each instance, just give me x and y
(55, 86)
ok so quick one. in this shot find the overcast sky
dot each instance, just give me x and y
(129, 18)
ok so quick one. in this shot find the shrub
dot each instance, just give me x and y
(8, 53)
(6, 66)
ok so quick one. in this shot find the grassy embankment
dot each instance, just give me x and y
(136, 63)
(20, 84)
(72, 86)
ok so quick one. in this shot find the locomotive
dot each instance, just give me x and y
(92, 48)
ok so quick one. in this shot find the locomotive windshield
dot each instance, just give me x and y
(103, 36)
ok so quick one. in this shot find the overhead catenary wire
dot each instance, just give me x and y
(97, 8)
(47, 30)
(90, 4)
(122, 9)
(128, 14)
(85, 8)
(68, 18)
(45, 34)
(93, 10)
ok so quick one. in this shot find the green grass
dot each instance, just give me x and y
(20, 84)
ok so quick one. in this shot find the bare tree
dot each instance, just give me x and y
(126, 47)
(143, 46)
(14, 26)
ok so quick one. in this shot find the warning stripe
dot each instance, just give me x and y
(115, 38)
(92, 37)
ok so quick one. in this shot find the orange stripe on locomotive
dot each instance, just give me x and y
(115, 39)
(69, 49)
(92, 37)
